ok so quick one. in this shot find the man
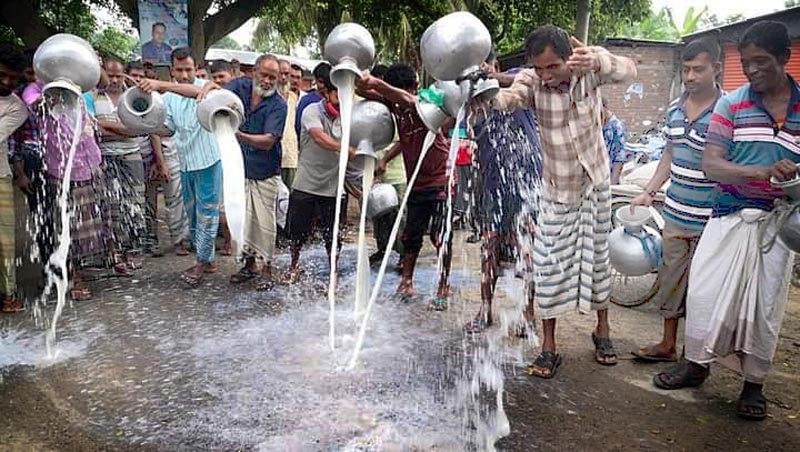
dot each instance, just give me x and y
(688, 202)
(295, 79)
(13, 114)
(427, 202)
(314, 195)
(157, 51)
(124, 170)
(201, 170)
(614, 134)
(221, 72)
(738, 279)
(202, 72)
(289, 142)
(571, 238)
(260, 139)
(321, 73)
(508, 143)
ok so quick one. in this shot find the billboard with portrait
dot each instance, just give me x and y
(163, 26)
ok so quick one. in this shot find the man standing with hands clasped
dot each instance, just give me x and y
(571, 239)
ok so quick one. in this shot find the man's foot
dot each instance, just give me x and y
(210, 268)
(155, 250)
(12, 305)
(193, 276)
(181, 249)
(685, 374)
(405, 292)
(227, 249)
(265, 283)
(376, 258)
(477, 325)
(243, 275)
(474, 238)
(133, 262)
(545, 365)
(604, 352)
(439, 304)
(752, 404)
(80, 293)
(655, 353)
(291, 276)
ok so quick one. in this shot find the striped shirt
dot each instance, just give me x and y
(105, 110)
(688, 201)
(196, 146)
(741, 125)
(570, 124)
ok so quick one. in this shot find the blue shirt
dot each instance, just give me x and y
(196, 146)
(614, 133)
(741, 125)
(688, 202)
(155, 53)
(311, 97)
(269, 116)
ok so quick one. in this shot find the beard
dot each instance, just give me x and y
(261, 92)
(115, 89)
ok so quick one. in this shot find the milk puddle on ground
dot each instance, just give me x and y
(233, 183)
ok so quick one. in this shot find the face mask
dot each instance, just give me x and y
(331, 110)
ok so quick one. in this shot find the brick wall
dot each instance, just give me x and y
(657, 67)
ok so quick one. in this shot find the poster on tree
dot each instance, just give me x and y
(163, 26)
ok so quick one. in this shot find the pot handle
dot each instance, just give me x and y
(650, 247)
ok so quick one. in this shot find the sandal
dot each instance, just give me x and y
(211, 268)
(604, 352)
(649, 355)
(476, 326)
(80, 294)
(291, 276)
(121, 270)
(684, 375)
(545, 365)
(243, 275)
(192, 279)
(264, 284)
(752, 406)
(12, 305)
(226, 250)
(439, 304)
(181, 250)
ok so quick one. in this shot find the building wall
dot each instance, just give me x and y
(657, 81)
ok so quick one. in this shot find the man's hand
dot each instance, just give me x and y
(381, 167)
(643, 199)
(207, 88)
(784, 170)
(149, 85)
(583, 59)
(367, 82)
(24, 183)
(159, 171)
(351, 154)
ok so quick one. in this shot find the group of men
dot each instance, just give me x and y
(543, 186)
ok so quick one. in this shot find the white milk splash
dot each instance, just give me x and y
(233, 183)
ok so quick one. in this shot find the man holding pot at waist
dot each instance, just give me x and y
(738, 279)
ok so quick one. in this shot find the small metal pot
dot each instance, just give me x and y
(69, 58)
(382, 198)
(141, 112)
(350, 49)
(220, 102)
(455, 46)
(634, 249)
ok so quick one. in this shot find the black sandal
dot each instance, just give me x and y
(752, 406)
(604, 350)
(684, 375)
(546, 361)
(243, 275)
(264, 284)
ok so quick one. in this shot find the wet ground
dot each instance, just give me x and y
(150, 365)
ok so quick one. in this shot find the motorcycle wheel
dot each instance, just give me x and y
(631, 291)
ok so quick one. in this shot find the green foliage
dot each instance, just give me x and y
(68, 16)
(115, 41)
(662, 26)
(227, 43)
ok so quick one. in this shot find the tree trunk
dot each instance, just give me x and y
(197, 36)
(582, 21)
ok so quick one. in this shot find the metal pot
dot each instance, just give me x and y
(372, 122)
(434, 116)
(69, 58)
(350, 49)
(485, 90)
(790, 231)
(634, 249)
(220, 102)
(455, 46)
(382, 198)
(141, 112)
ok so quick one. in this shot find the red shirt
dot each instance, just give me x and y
(412, 131)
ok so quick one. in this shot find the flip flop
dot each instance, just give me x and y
(243, 275)
(645, 355)
(683, 375)
(263, 284)
(439, 304)
(546, 361)
(752, 407)
(193, 281)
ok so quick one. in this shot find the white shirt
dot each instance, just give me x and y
(13, 114)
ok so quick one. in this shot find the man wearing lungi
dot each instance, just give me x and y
(260, 138)
(688, 202)
(571, 266)
(738, 279)
(201, 169)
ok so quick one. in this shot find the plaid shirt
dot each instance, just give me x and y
(570, 124)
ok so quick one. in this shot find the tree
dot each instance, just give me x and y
(227, 43)
(661, 26)
(33, 21)
(115, 41)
